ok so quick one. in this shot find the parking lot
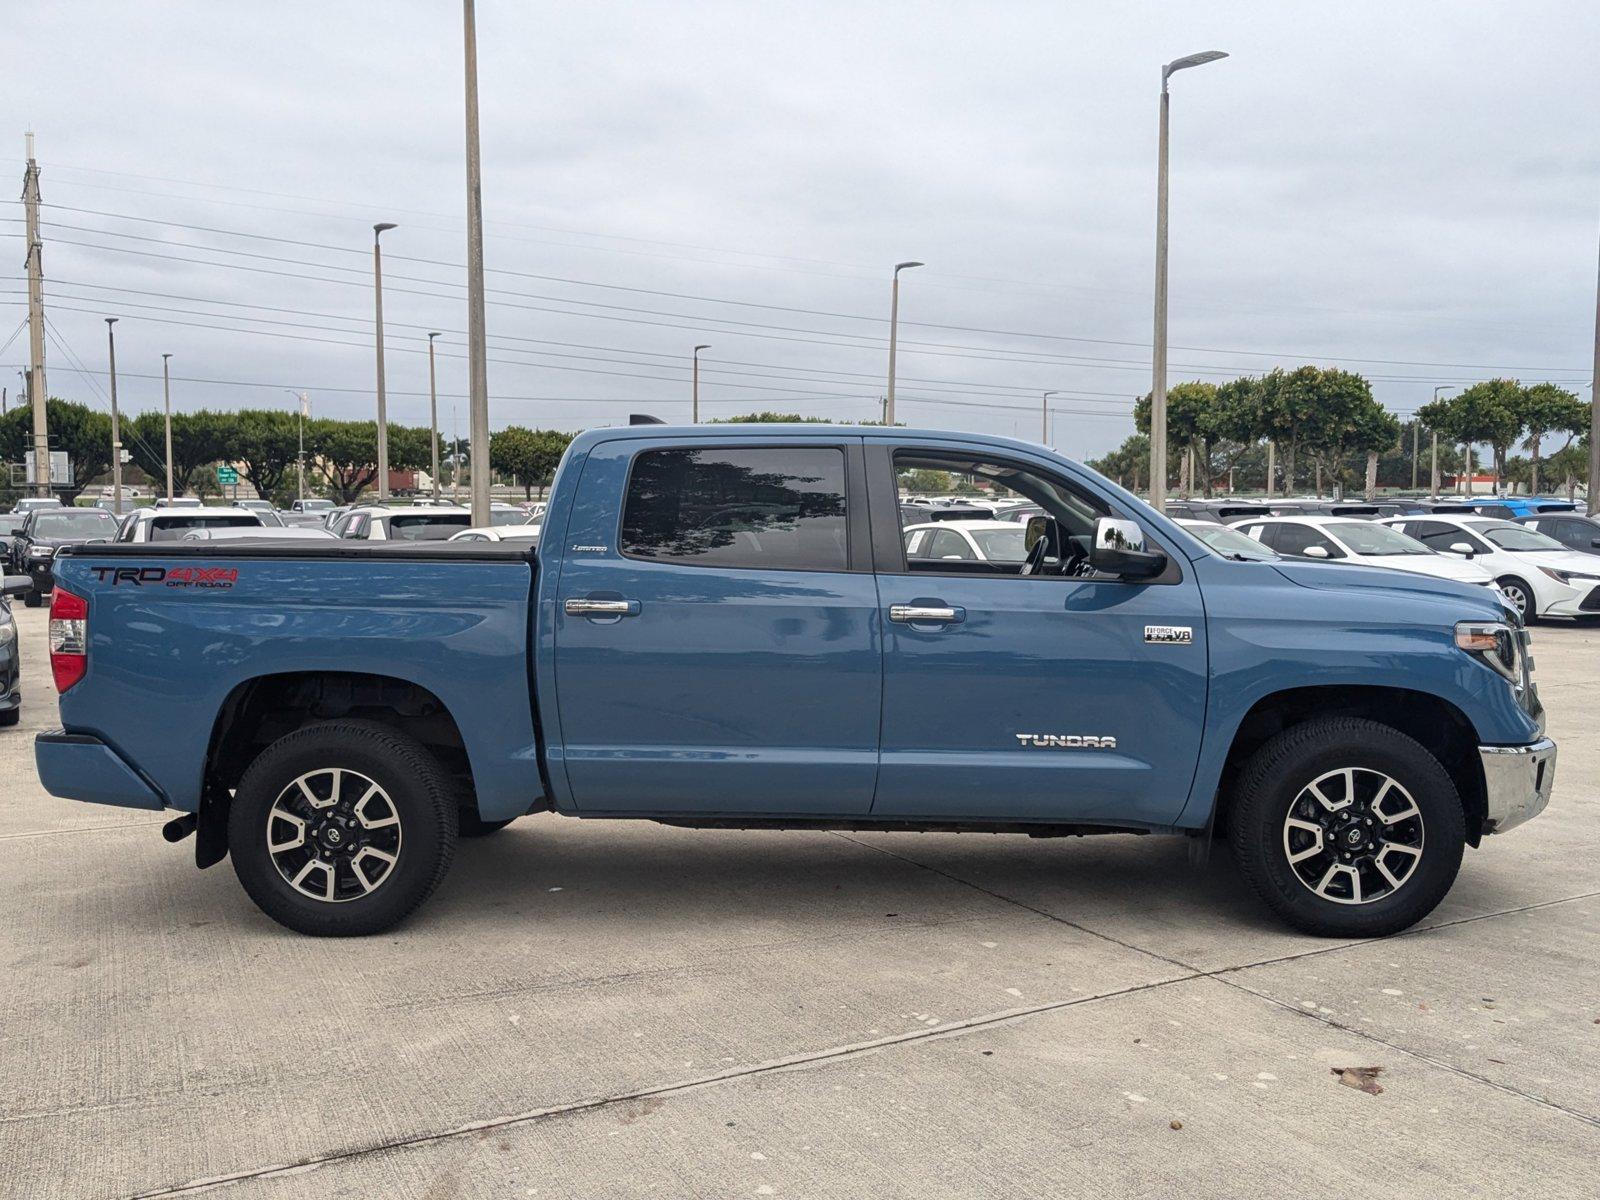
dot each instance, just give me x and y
(623, 1009)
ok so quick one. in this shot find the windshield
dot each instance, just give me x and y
(91, 522)
(1002, 545)
(1363, 537)
(503, 517)
(434, 527)
(1519, 539)
(1231, 542)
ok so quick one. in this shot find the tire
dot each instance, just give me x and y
(1521, 597)
(365, 859)
(474, 826)
(33, 599)
(10, 717)
(1405, 845)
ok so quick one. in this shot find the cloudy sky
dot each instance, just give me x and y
(1409, 190)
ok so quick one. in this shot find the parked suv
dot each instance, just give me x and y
(44, 531)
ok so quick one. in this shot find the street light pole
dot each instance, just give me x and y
(116, 426)
(1158, 358)
(1044, 415)
(300, 486)
(477, 339)
(383, 400)
(1593, 504)
(894, 336)
(166, 402)
(695, 419)
(433, 416)
(1433, 484)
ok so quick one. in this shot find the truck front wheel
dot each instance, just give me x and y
(342, 829)
(1347, 828)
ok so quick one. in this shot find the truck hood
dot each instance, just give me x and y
(1341, 577)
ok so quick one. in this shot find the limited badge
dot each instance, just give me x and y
(1169, 635)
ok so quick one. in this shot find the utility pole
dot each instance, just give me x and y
(894, 337)
(695, 410)
(305, 411)
(1593, 504)
(433, 417)
(1433, 482)
(1272, 468)
(116, 427)
(166, 399)
(455, 473)
(383, 403)
(37, 391)
(1416, 437)
(1044, 422)
(1158, 357)
(477, 338)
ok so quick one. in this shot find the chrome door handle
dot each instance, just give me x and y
(908, 614)
(601, 608)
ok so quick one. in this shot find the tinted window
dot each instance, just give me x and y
(430, 528)
(781, 509)
(1436, 535)
(172, 529)
(1297, 539)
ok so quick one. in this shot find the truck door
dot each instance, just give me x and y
(717, 643)
(1031, 697)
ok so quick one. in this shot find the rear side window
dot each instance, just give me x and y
(777, 509)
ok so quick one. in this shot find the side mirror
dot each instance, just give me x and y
(1037, 528)
(16, 585)
(1464, 548)
(1595, 542)
(1119, 549)
(18, 531)
(1315, 552)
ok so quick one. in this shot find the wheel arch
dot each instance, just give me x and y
(260, 710)
(1435, 723)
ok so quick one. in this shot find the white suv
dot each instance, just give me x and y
(170, 524)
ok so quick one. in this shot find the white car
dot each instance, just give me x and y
(171, 524)
(499, 533)
(1364, 543)
(416, 523)
(1540, 576)
(970, 541)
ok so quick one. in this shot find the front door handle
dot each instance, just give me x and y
(917, 614)
(602, 608)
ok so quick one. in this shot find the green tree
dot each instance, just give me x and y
(1128, 464)
(1288, 403)
(1191, 414)
(197, 441)
(345, 453)
(265, 443)
(530, 456)
(770, 418)
(84, 433)
(1548, 409)
(1491, 412)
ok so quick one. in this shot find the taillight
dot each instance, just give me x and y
(69, 637)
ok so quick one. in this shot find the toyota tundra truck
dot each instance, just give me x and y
(721, 628)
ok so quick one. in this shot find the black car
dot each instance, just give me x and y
(43, 532)
(1572, 529)
(10, 655)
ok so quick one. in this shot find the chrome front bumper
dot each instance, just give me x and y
(1516, 783)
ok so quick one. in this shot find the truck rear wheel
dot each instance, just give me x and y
(342, 829)
(1347, 828)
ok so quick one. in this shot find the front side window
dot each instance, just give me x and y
(767, 508)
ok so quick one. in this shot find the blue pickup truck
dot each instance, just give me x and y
(720, 628)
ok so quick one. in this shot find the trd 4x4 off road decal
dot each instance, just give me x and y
(172, 577)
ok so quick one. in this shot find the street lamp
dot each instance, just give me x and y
(894, 335)
(166, 399)
(433, 416)
(477, 336)
(1044, 426)
(1158, 365)
(696, 391)
(116, 426)
(1433, 483)
(383, 406)
(305, 402)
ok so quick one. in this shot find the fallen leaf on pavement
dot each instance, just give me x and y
(1363, 1079)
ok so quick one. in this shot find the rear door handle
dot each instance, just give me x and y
(917, 614)
(602, 608)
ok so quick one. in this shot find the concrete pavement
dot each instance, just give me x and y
(622, 1009)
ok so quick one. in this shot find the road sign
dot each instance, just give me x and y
(60, 468)
(226, 475)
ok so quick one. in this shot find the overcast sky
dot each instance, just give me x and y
(1408, 190)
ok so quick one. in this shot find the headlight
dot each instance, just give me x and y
(1493, 642)
(1569, 576)
(41, 551)
(8, 633)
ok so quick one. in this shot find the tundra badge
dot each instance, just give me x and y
(1169, 635)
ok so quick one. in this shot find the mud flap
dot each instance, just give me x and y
(211, 836)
